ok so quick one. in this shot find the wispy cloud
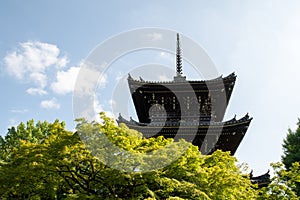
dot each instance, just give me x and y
(36, 91)
(50, 104)
(15, 110)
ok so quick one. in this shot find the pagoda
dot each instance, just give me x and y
(188, 109)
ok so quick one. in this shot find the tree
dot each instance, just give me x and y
(291, 150)
(283, 183)
(30, 132)
(45, 161)
(26, 170)
(291, 147)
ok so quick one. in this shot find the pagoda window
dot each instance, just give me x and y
(206, 108)
(174, 103)
(199, 102)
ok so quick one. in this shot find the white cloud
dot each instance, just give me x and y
(36, 91)
(33, 57)
(50, 104)
(65, 80)
(31, 60)
(14, 64)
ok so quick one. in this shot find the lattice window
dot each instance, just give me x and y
(174, 103)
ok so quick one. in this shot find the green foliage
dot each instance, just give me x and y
(291, 147)
(45, 161)
(30, 132)
(25, 170)
(283, 183)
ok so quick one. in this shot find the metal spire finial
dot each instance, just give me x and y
(178, 58)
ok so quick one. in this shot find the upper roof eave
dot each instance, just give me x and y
(218, 79)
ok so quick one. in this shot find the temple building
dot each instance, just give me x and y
(189, 109)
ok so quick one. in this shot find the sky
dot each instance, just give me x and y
(44, 43)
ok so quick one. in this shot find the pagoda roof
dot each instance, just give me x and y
(219, 89)
(204, 124)
(230, 132)
(262, 180)
(231, 77)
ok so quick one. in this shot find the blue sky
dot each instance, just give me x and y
(42, 44)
